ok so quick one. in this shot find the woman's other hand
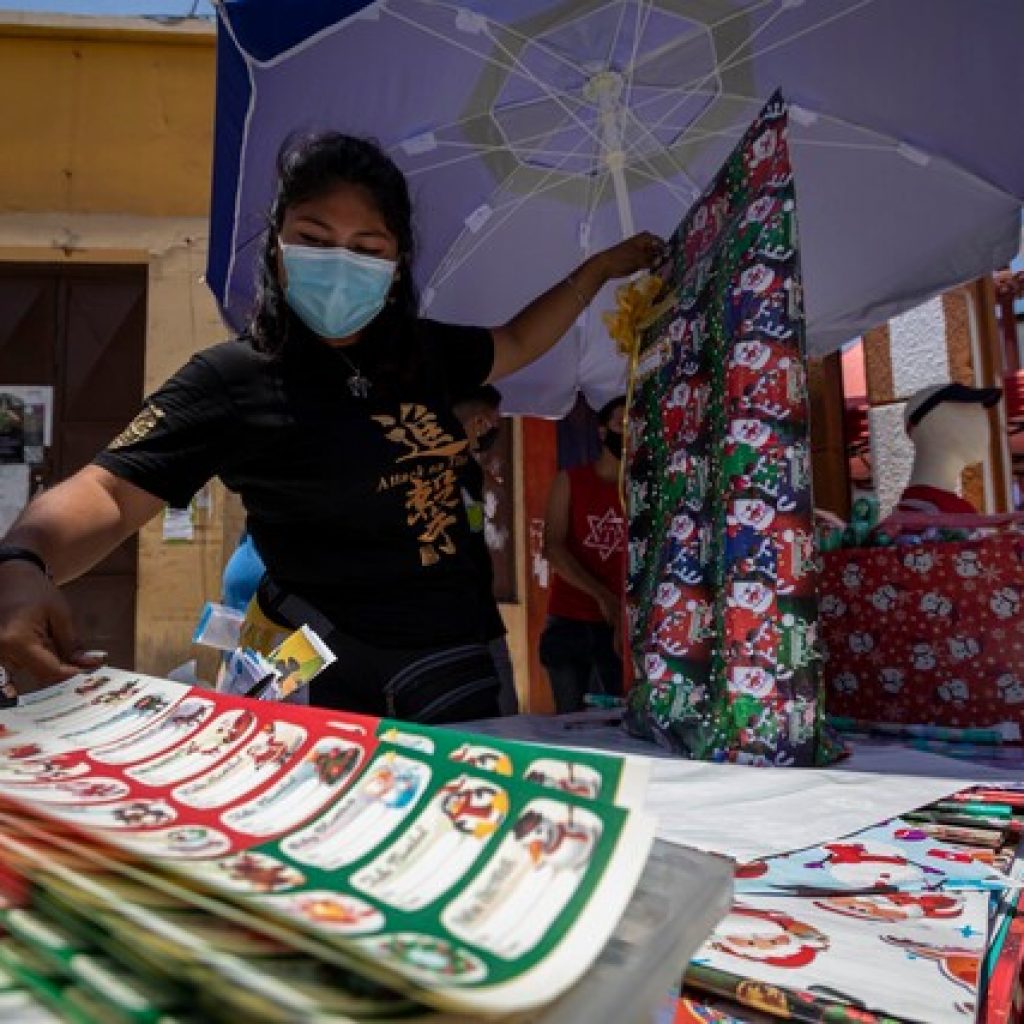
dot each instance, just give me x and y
(37, 637)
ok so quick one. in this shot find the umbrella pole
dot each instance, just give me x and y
(606, 88)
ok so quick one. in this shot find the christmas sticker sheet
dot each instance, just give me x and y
(478, 874)
(721, 576)
(895, 856)
(587, 774)
(207, 965)
(913, 959)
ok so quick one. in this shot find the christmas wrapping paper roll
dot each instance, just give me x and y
(721, 596)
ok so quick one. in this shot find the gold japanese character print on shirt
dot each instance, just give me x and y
(140, 427)
(432, 498)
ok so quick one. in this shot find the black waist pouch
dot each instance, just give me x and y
(454, 683)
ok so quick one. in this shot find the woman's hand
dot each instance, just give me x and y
(641, 252)
(37, 637)
(533, 330)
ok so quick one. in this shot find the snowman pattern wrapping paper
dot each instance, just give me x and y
(928, 633)
(721, 598)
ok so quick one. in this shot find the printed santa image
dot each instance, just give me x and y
(761, 211)
(896, 906)
(775, 392)
(748, 440)
(553, 843)
(748, 525)
(684, 411)
(796, 561)
(751, 681)
(871, 866)
(763, 154)
(768, 937)
(749, 604)
(705, 223)
(688, 549)
(472, 807)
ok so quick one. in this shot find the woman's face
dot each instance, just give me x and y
(345, 217)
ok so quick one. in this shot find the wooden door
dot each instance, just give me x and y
(82, 331)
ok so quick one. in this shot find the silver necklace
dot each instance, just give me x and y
(358, 385)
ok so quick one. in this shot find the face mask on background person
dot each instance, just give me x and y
(334, 291)
(485, 441)
(613, 442)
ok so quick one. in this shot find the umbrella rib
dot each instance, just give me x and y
(888, 143)
(476, 149)
(595, 190)
(516, 147)
(450, 263)
(709, 27)
(512, 69)
(615, 35)
(516, 68)
(715, 73)
(462, 122)
(729, 63)
(542, 85)
(665, 151)
(845, 12)
(644, 8)
(523, 38)
(675, 190)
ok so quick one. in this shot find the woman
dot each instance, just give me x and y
(332, 418)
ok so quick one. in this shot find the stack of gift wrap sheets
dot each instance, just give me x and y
(172, 854)
(913, 920)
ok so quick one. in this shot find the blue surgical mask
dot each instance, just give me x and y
(335, 292)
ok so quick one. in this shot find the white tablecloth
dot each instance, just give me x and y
(746, 812)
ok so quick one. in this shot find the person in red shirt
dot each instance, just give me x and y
(585, 542)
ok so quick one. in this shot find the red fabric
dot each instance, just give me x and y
(926, 634)
(596, 538)
(922, 498)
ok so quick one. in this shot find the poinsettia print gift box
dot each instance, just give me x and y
(926, 634)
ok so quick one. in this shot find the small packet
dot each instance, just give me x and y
(280, 675)
(219, 626)
(247, 673)
(298, 659)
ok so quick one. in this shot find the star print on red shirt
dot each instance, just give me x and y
(606, 533)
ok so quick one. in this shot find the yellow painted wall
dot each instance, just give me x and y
(105, 120)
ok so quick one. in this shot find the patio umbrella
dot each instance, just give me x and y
(535, 132)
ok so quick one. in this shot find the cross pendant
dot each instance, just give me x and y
(358, 385)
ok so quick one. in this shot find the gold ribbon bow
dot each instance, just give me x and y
(634, 303)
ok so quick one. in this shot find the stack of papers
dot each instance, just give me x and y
(172, 854)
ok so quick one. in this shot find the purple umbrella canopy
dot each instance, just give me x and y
(536, 132)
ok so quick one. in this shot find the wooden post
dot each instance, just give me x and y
(829, 459)
(540, 464)
(989, 370)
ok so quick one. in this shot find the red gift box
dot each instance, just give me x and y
(929, 633)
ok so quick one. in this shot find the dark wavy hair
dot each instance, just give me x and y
(311, 166)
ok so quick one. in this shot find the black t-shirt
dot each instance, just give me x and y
(355, 504)
(473, 495)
